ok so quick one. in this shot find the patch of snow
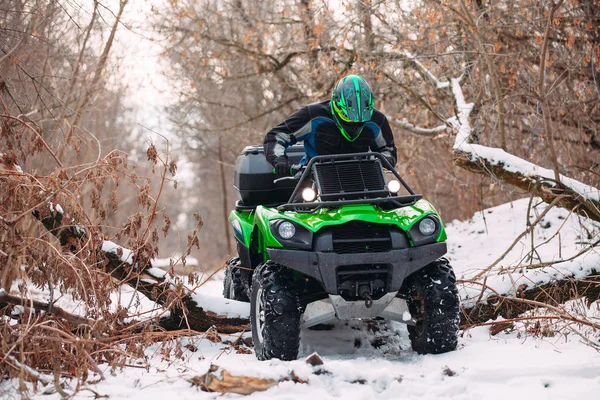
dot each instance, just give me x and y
(156, 272)
(221, 306)
(484, 368)
(18, 310)
(475, 244)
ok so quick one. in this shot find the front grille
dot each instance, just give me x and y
(350, 179)
(361, 237)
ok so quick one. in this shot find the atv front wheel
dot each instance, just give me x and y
(433, 302)
(233, 284)
(274, 313)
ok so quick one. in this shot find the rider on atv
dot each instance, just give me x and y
(348, 123)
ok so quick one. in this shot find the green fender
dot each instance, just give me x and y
(404, 218)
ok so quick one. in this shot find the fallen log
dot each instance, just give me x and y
(222, 381)
(135, 270)
(538, 184)
(490, 306)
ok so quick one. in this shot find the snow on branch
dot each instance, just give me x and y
(450, 122)
(438, 84)
(403, 123)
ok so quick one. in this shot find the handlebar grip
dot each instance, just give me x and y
(294, 169)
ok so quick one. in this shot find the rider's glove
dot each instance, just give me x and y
(282, 167)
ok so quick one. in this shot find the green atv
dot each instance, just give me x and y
(337, 241)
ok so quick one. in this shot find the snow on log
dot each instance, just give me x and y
(583, 199)
(188, 310)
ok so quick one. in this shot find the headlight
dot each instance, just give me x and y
(427, 227)
(393, 186)
(309, 194)
(286, 230)
(291, 234)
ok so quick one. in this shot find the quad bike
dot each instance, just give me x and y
(337, 241)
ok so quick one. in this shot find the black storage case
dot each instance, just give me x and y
(253, 177)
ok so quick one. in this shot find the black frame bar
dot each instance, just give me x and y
(400, 201)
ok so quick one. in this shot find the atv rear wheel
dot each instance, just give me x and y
(233, 284)
(274, 313)
(433, 302)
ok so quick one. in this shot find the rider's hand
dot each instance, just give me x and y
(282, 167)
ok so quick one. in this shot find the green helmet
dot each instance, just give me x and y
(352, 105)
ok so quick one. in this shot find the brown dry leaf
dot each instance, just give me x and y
(219, 380)
(314, 359)
(243, 350)
(570, 41)
(538, 38)
(213, 336)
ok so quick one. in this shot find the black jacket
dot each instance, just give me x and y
(314, 125)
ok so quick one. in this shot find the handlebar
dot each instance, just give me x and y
(295, 173)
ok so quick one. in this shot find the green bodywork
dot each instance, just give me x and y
(245, 223)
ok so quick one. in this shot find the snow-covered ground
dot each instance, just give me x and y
(367, 360)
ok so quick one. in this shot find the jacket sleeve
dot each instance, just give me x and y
(384, 142)
(294, 128)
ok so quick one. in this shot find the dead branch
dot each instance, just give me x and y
(74, 320)
(517, 239)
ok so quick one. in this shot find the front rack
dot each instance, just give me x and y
(399, 201)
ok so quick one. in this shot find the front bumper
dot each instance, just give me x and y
(322, 266)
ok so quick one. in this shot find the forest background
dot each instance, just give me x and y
(149, 164)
